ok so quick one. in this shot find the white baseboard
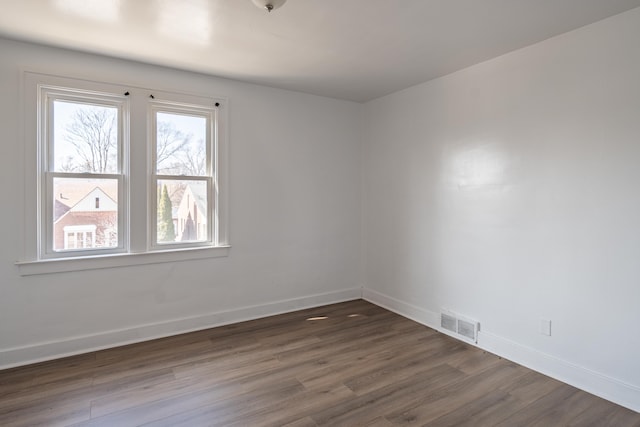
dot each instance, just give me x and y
(608, 388)
(40, 352)
(404, 309)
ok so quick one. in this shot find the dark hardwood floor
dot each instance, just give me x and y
(351, 364)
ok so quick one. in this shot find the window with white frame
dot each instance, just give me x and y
(83, 149)
(119, 170)
(182, 173)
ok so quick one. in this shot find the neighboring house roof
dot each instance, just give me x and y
(88, 204)
(59, 209)
(192, 213)
(193, 195)
(69, 191)
(199, 193)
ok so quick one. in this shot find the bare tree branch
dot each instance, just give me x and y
(169, 142)
(93, 133)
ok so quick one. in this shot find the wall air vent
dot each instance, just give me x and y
(459, 326)
(468, 329)
(448, 322)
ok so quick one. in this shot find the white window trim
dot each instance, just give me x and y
(47, 95)
(140, 250)
(210, 114)
(30, 268)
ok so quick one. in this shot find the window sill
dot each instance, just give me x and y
(30, 268)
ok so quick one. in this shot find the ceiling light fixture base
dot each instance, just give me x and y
(269, 5)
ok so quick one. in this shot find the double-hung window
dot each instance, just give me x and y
(120, 175)
(83, 148)
(182, 174)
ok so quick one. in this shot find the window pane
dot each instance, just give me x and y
(181, 144)
(85, 213)
(182, 211)
(85, 138)
(71, 240)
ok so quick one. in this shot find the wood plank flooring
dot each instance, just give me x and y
(348, 364)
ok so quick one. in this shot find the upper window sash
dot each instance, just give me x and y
(52, 95)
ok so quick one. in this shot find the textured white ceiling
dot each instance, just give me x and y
(349, 49)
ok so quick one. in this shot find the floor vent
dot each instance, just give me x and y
(459, 326)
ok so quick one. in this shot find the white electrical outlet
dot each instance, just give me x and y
(545, 327)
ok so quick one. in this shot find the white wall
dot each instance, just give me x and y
(294, 219)
(508, 192)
